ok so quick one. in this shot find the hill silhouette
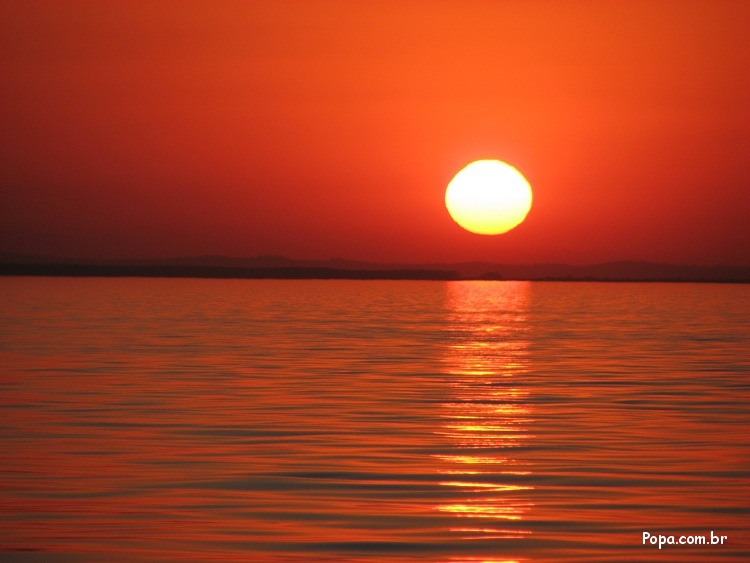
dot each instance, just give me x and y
(279, 267)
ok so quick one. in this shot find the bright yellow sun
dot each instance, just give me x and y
(488, 197)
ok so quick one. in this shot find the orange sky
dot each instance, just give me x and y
(331, 129)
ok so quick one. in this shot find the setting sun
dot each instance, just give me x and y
(488, 197)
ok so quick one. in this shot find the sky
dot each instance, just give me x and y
(330, 129)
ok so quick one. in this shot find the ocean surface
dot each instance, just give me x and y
(372, 421)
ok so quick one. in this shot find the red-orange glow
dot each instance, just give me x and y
(331, 129)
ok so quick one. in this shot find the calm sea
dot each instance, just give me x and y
(253, 420)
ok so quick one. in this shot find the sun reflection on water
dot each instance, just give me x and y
(486, 417)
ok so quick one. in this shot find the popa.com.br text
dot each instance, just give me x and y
(662, 540)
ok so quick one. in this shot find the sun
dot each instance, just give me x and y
(488, 197)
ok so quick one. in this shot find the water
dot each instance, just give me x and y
(147, 419)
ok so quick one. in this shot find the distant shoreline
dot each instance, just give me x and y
(219, 272)
(319, 273)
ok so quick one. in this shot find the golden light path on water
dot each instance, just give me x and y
(487, 414)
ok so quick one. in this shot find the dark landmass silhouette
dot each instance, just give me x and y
(279, 267)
